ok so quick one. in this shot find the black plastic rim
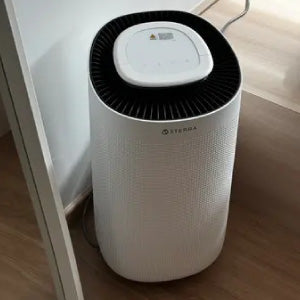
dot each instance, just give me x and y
(173, 103)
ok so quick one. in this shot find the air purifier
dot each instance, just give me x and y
(164, 90)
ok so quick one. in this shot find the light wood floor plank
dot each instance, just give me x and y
(24, 271)
(267, 42)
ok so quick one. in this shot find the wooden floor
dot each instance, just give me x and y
(267, 41)
(260, 260)
(24, 272)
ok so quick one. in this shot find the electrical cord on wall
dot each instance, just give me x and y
(87, 203)
(231, 21)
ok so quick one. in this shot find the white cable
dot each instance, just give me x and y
(246, 9)
(244, 12)
(208, 7)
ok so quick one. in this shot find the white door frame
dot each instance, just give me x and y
(24, 116)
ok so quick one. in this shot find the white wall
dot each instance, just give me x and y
(4, 126)
(56, 36)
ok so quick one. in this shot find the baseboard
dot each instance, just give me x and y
(74, 209)
(198, 8)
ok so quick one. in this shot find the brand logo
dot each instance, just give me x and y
(178, 130)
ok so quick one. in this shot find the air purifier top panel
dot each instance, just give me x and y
(164, 103)
(161, 54)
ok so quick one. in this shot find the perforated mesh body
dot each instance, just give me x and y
(162, 186)
(161, 201)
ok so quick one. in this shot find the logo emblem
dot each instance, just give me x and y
(165, 132)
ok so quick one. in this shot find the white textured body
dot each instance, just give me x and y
(161, 200)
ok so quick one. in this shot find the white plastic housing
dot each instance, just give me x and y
(161, 54)
(161, 189)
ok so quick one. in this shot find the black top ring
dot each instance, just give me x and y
(173, 103)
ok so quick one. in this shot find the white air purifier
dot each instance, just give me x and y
(164, 95)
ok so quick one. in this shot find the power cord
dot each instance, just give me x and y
(208, 7)
(243, 13)
(87, 203)
(231, 21)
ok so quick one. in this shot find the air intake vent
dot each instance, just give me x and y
(173, 103)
